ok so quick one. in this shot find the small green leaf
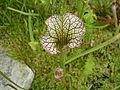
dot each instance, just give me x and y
(34, 45)
(43, 1)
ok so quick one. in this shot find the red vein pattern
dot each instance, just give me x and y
(64, 31)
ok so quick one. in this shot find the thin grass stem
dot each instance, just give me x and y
(95, 48)
(21, 12)
(116, 88)
(1, 73)
(2, 27)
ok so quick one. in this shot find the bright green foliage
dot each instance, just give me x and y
(101, 7)
(89, 17)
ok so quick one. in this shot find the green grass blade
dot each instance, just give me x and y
(10, 80)
(95, 48)
(116, 88)
(2, 27)
(21, 12)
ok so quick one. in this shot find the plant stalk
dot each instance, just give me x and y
(21, 12)
(1, 73)
(95, 48)
(30, 28)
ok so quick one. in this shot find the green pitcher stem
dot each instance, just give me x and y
(63, 60)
